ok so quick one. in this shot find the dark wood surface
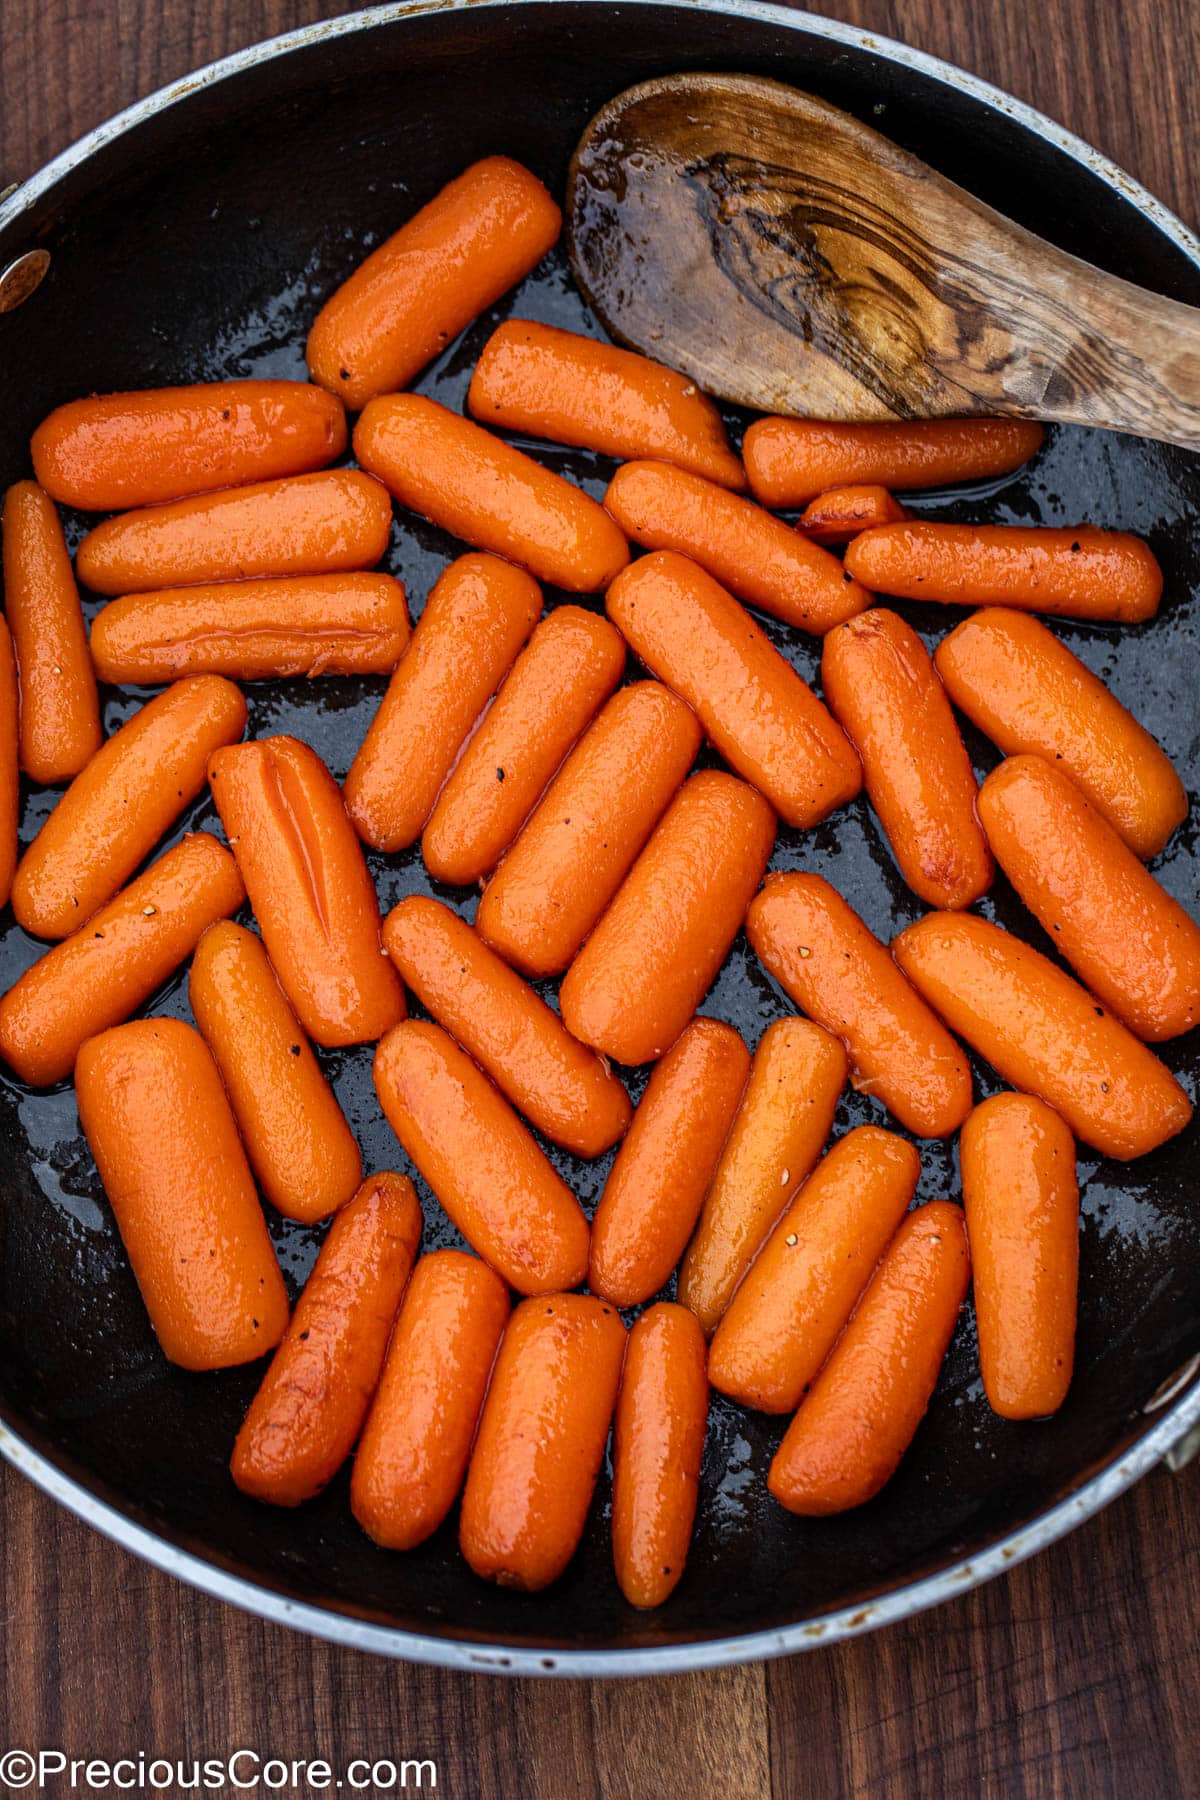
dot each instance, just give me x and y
(1078, 1674)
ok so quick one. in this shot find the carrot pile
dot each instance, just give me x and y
(511, 745)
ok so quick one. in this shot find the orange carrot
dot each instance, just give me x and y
(588, 829)
(823, 956)
(304, 1419)
(115, 451)
(417, 1439)
(295, 1133)
(59, 709)
(465, 248)
(841, 513)
(1043, 1033)
(308, 884)
(651, 959)
(791, 461)
(480, 1161)
(658, 1442)
(10, 801)
(1022, 1203)
(653, 1196)
(164, 1139)
(117, 808)
(103, 972)
(849, 1437)
(478, 615)
(559, 682)
(752, 704)
(541, 1439)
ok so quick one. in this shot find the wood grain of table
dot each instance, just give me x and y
(1077, 1674)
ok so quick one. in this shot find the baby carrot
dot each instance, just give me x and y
(164, 1139)
(653, 1196)
(752, 704)
(103, 972)
(416, 1443)
(295, 1133)
(651, 959)
(1028, 692)
(9, 763)
(584, 836)
(59, 711)
(568, 1092)
(559, 682)
(823, 956)
(1082, 573)
(749, 551)
(1022, 1204)
(841, 513)
(478, 615)
(850, 1435)
(785, 1317)
(883, 689)
(304, 1419)
(791, 461)
(480, 1161)
(541, 1439)
(465, 248)
(255, 630)
(487, 492)
(117, 808)
(308, 884)
(554, 384)
(115, 451)
(780, 1130)
(658, 1443)
(1043, 1033)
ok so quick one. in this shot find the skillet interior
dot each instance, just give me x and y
(199, 247)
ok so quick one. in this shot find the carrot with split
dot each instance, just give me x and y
(658, 1443)
(305, 1418)
(841, 513)
(416, 1443)
(161, 1130)
(59, 711)
(10, 781)
(791, 461)
(852, 1432)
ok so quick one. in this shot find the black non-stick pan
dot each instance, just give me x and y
(193, 238)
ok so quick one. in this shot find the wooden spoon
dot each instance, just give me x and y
(792, 260)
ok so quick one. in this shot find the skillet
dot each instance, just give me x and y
(193, 237)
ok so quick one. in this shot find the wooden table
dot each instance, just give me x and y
(1079, 1674)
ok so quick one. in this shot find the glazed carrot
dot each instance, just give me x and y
(308, 884)
(658, 1442)
(304, 1419)
(823, 956)
(653, 1195)
(255, 630)
(554, 384)
(483, 490)
(1080, 573)
(651, 959)
(883, 689)
(1017, 682)
(115, 451)
(752, 704)
(472, 242)
(1043, 1033)
(164, 1139)
(568, 1092)
(749, 551)
(478, 615)
(295, 1133)
(588, 829)
(559, 682)
(849, 1437)
(841, 513)
(59, 709)
(791, 461)
(10, 804)
(541, 1439)
(101, 974)
(117, 808)
(1022, 1204)
(416, 1443)
(480, 1161)
(780, 1130)
(789, 1309)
